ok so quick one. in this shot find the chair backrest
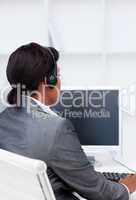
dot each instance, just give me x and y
(23, 178)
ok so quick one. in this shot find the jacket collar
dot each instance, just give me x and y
(33, 104)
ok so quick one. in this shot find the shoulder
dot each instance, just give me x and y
(66, 135)
(65, 126)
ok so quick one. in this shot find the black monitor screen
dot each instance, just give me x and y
(94, 114)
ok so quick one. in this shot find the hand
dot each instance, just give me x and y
(130, 182)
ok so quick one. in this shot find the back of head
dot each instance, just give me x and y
(28, 66)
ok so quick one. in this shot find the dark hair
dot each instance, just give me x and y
(29, 65)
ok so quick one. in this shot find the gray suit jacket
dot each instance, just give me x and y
(53, 139)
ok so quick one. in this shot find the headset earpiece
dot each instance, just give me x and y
(52, 78)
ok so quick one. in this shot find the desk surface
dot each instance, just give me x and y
(107, 164)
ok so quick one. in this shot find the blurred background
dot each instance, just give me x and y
(96, 40)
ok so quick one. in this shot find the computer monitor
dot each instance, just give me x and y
(95, 114)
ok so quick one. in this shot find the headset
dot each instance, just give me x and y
(52, 77)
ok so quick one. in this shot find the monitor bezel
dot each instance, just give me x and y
(114, 149)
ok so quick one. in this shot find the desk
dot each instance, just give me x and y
(107, 164)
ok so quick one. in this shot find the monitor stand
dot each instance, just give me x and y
(94, 162)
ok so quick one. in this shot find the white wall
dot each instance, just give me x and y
(22, 22)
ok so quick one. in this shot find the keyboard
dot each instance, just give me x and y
(112, 176)
(116, 177)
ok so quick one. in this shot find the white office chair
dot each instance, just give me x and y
(23, 178)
